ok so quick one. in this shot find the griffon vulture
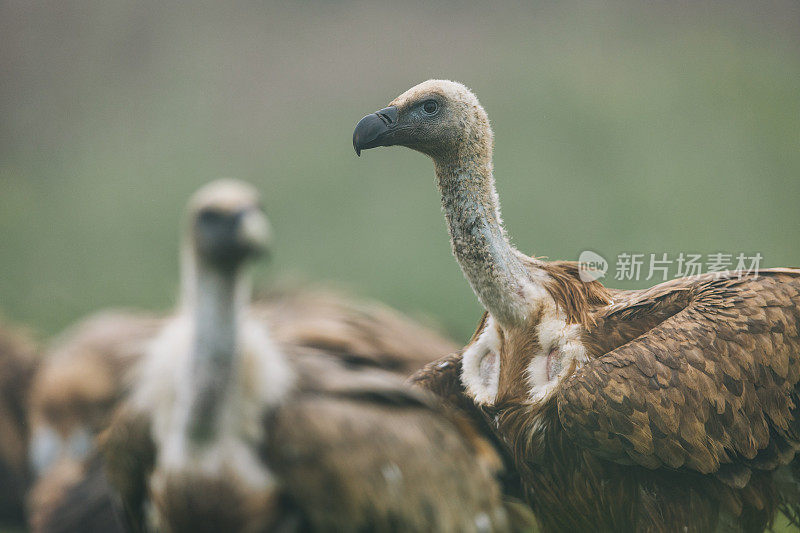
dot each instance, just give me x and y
(666, 409)
(227, 430)
(85, 373)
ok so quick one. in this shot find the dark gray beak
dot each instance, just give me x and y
(227, 239)
(375, 129)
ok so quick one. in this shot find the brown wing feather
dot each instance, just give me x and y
(107, 491)
(353, 448)
(18, 361)
(358, 331)
(128, 453)
(82, 379)
(82, 376)
(711, 386)
(353, 456)
(443, 378)
(75, 497)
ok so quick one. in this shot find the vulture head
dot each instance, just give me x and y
(529, 343)
(227, 224)
(436, 117)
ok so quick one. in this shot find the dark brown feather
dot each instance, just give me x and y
(18, 361)
(350, 463)
(723, 365)
(75, 498)
(84, 375)
(576, 299)
(353, 448)
(687, 406)
(359, 331)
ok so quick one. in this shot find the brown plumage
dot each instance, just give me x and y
(671, 408)
(402, 464)
(81, 381)
(686, 406)
(356, 330)
(353, 448)
(298, 435)
(75, 496)
(78, 384)
(83, 373)
(18, 360)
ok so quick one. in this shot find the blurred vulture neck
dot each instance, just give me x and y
(492, 266)
(215, 302)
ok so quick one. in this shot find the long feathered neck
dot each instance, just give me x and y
(493, 267)
(214, 298)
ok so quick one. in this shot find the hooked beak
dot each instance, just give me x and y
(229, 238)
(253, 231)
(375, 129)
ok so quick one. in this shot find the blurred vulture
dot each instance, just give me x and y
(229, 428)
(666, 409)
(18, 361)
(83, 375)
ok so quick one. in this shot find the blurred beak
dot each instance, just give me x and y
(253, 231)
(375, 129)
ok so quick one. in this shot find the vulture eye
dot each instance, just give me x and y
(209, 217)
(430, 107)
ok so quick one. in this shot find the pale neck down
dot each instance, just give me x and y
(215, 300)
(493, 267)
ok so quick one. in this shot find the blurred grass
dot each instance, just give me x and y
(620, 127)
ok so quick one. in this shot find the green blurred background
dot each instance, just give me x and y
(647, 127)
(620, 127)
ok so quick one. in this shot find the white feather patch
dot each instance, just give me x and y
(480, 370)
(560, 346)
(263, 377)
